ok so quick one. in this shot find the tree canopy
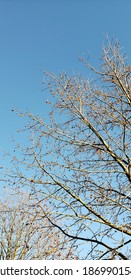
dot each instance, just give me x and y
(79, 158)
(25, 234)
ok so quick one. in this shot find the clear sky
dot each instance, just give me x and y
(50, 34)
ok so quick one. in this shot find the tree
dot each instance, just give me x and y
(25, 234)
(79, 159)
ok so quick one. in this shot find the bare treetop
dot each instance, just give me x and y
(80, 157)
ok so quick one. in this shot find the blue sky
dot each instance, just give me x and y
(50, 34)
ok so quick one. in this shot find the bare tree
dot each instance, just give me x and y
(26, 235)
(79, 159)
